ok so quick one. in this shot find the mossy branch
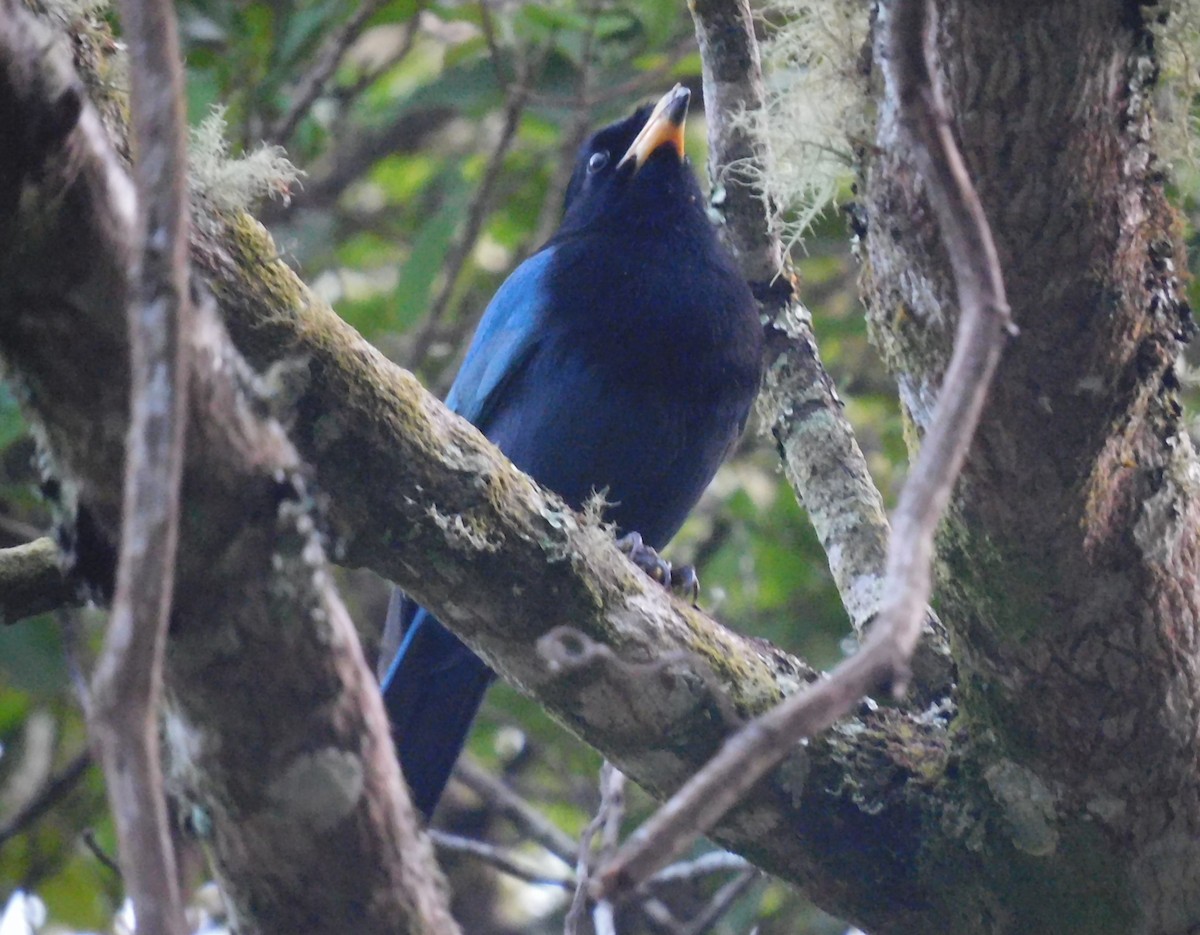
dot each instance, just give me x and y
(34, 579)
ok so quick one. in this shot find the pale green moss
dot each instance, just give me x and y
(236, 184)
(817, 109)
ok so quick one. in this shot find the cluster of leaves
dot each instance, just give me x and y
(436, 150)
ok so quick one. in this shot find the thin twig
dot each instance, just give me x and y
(612, 798)
(348, 94)
(702, 866)
(88, 837)
(312, 82)
(582, 866)
(477, 214)
(50, 794)
(884, 656)
(612, 808)
(984, 318)
(527, 820)
(487, 26)
(500, 858)
(128, 680)
(721, 902)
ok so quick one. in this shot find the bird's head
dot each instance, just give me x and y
(634, 171)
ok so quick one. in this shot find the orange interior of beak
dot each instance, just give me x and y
(664, 127)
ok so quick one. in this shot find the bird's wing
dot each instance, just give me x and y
(507, 336)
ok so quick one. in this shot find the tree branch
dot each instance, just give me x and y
(327, 59)
(127, 683)
(501, 858)
(33, 580)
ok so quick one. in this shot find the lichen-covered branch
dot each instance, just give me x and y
(292, 778)
(799, 402)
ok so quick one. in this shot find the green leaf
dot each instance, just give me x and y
(304, 28)
(658, 19)
(545, 20)
(12, 423)
(428, 254)
(396, 11)
(31, 656)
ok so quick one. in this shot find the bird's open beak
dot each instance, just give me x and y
(665, 127)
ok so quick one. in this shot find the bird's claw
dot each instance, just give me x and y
(645, 557)
(682, 580)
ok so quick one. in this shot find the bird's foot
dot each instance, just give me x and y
(682, 580)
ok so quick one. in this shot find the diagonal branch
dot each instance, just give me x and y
(313, 81)
(127, 684)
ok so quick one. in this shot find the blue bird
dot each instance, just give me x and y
(622, 357)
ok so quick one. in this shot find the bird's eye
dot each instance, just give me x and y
(598, 161)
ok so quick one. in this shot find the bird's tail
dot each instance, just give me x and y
(431, 692)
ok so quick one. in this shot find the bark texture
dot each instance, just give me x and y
(1069, 555)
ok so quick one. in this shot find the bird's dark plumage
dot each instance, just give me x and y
(622, 357)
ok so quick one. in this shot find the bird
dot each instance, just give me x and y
(621, 358)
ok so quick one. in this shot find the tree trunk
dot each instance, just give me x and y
(1068, 576)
